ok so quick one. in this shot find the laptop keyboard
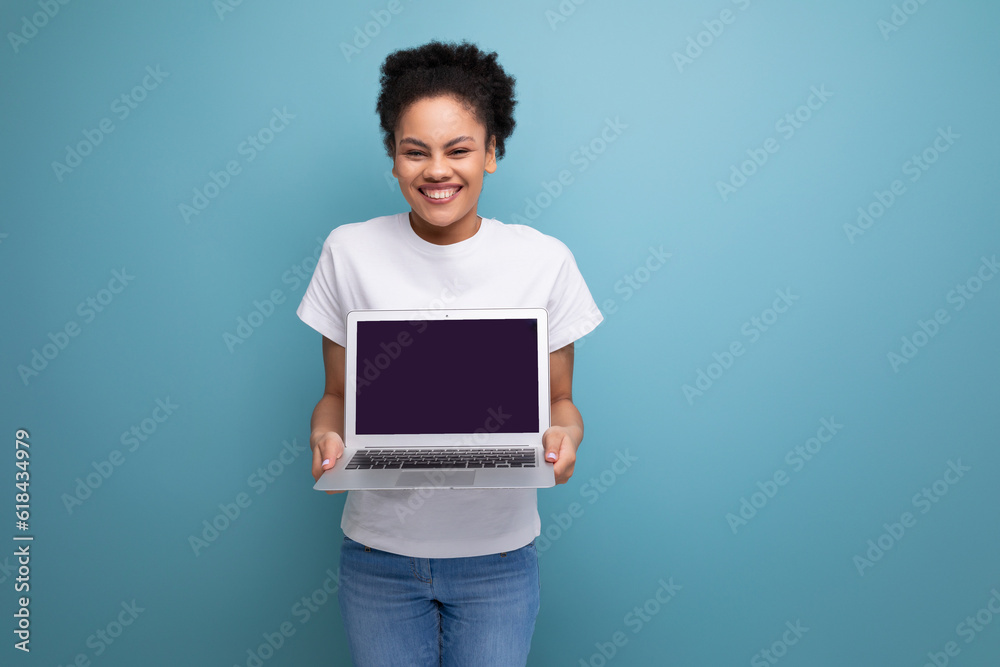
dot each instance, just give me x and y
(372, 459)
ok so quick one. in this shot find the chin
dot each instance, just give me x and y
(434, 218)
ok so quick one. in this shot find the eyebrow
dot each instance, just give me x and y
(412, 140)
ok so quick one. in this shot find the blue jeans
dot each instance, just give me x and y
(452, 612)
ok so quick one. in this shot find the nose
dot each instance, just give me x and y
(437, 167)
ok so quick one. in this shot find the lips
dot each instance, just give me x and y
(440, 194)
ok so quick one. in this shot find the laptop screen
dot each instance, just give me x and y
(447, 376)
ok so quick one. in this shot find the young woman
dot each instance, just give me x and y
(448, 577)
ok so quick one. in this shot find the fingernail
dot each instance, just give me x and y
(551, 456)
(326, 462)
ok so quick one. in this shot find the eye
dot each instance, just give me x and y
(459, 150)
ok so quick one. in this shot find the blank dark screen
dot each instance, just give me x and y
(447, 376)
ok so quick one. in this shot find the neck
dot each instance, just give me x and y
(458, 231)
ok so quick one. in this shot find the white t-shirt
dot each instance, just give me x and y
(383, 264)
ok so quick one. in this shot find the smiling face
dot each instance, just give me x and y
(441, 156)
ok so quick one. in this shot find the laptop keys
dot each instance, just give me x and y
(381, 459)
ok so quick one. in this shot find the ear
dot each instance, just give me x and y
(491, 156)
(395, 175)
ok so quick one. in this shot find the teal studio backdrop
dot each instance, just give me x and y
(786, 211)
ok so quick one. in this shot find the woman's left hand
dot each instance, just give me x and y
(558, 442)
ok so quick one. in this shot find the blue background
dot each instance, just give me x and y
(682, 128)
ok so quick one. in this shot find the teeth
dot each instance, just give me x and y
(440, 194)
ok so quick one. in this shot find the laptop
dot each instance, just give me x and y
(445, 398)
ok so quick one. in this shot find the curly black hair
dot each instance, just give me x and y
(437, 68)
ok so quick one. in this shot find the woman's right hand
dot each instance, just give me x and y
(327, 448)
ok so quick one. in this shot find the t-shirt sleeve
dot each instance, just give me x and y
(571, 308)
(321, 305)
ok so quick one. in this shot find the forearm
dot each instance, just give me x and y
(328, 416)
(565, 414)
